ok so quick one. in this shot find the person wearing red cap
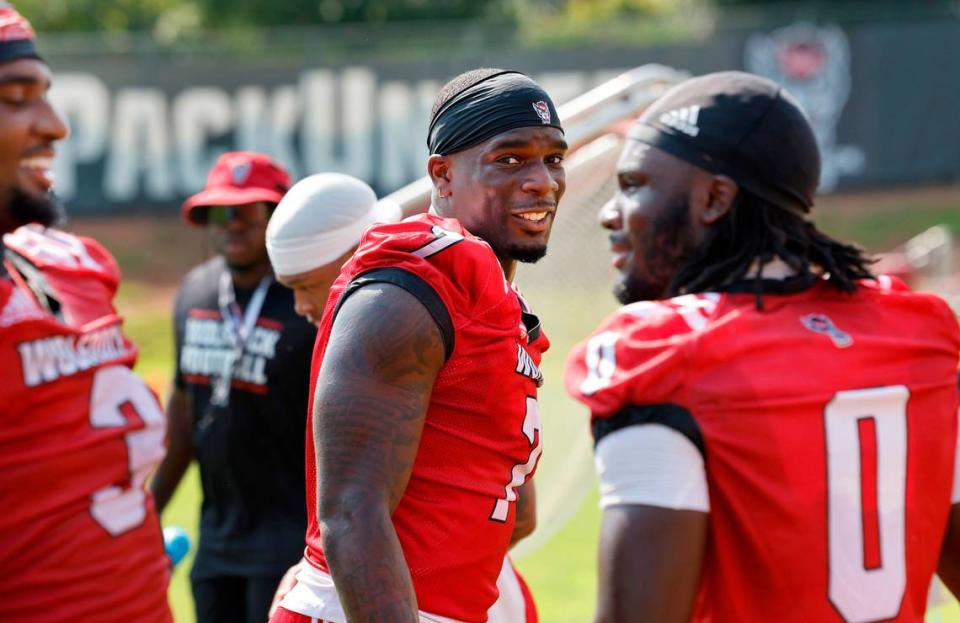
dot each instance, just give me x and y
(79, 432)
(775, 427)
(240, 397)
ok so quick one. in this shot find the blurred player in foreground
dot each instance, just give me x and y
(311, 235)
(425, 417)
(240, 397)
(775, 428)
(79, 433)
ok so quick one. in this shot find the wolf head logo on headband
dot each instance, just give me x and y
(543, 111)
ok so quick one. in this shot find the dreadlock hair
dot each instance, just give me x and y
(754, 233)
(459, 84)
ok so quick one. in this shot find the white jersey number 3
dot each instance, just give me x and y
(533, 433)
(866, 435)
(119, 399)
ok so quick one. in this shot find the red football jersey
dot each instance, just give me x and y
(79, 435)
(829, 423)
(481, 438)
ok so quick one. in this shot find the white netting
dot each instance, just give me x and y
(570, 291)
(930, 254)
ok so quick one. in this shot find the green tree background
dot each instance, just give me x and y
(124, 15)
(152, 15)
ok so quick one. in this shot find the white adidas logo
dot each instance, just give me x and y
(682, 120)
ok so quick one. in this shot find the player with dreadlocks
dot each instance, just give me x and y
(756, 229)
(773, 424)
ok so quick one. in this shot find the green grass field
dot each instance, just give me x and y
(562, 571)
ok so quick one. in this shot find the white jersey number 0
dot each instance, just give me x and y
(866, 437)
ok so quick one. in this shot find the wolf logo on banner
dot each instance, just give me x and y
(813, 63)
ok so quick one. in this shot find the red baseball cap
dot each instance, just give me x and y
(238, 177)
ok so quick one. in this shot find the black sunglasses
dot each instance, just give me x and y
(221, 215)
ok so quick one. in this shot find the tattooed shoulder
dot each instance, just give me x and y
(375, 383)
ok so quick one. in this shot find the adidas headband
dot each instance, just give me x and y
(743, 126)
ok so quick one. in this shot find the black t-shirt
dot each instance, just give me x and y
(250, 451)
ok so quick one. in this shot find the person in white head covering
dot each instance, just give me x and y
(314, 231)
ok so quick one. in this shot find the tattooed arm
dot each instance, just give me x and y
(384, 352)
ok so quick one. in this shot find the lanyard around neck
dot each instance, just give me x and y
(241, 325)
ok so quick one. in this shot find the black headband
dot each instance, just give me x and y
(17, 49)
(738, 171)
(501, 102)
(742, 126)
